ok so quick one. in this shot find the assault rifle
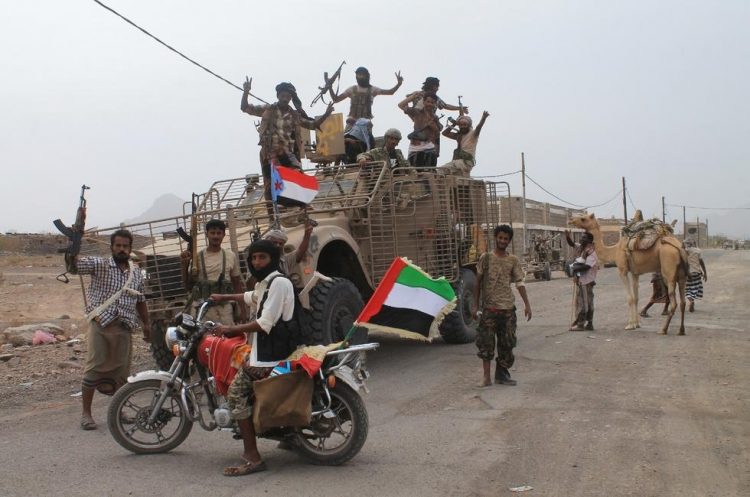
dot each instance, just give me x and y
(328, 85)
(74, 233)
(192, 238)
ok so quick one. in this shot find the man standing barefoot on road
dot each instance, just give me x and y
(496, 270)
(115, 302)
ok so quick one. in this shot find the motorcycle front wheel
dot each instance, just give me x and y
(338, 435)
(128, 415)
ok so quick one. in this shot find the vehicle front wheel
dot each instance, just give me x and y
(130, 410)
(459, 326)
(334, 306)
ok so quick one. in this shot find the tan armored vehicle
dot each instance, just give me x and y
(366, 216)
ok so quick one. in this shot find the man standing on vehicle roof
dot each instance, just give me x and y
(362, 95)
(432, 85)
(114, 304)
(466, 139)
(218, 272)
(278, 129)
(272, 300)
(423, 151)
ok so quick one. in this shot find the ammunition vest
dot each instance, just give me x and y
(203, 288)
(361, 104)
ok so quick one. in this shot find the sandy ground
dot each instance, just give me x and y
(609, 412)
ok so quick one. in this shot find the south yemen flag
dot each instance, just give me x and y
(292, 187)
(408, 302)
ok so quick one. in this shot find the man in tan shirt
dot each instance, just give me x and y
(496, 270)
(218, 272)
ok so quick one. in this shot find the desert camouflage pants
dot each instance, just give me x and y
(241, 390)
(497, 328)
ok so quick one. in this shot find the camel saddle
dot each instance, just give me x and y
(641, 235)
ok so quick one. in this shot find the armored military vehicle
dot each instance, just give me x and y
(366, 216)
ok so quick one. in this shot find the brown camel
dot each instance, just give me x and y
(665, 256)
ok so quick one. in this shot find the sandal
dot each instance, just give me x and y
(245, 469)
(88, 423)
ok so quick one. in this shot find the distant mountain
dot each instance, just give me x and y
(166, 206)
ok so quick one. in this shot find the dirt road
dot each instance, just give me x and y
(598, 413)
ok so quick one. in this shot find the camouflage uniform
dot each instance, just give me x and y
(498, 326)
(381, 154)
(241, 390)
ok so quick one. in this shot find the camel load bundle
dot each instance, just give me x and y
(641, 235)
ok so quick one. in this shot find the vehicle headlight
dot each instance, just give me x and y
(171, 337)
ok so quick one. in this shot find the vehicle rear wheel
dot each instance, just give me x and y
(159, 350)
(459, 326)
(337, 435)
(334, 305)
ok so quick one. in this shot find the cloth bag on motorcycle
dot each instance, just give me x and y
(283, 400)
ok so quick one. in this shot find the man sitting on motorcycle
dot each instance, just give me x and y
(272, 300)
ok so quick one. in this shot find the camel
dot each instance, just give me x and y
(665, 256)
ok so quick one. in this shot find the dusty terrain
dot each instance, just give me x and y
(598, 413)
(29, 294)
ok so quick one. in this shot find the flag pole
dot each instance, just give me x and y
(276, 223)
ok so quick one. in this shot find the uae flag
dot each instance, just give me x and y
(408, 302)
(291, 187)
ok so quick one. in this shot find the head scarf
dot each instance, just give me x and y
(276, 234)
(361, 131)
(269, 248)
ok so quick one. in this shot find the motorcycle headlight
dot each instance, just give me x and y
(171, 337)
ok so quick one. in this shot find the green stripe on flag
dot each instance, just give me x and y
(413, 277)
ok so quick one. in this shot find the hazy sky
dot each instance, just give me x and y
(590, 91)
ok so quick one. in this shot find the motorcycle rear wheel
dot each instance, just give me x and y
(333, 441)
(128, 413)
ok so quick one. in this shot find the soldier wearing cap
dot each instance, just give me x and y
(288, 262)
(387, 153)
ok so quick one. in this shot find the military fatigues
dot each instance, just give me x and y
(215, 274)
(497, 326)
(381, 154)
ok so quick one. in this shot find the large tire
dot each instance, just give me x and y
(346, 432)
(334, 305)
(128, 413)
(459, 326)
(161, 354)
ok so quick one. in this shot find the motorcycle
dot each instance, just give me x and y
(155, 411)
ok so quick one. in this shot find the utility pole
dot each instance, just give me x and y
(624, 203)
(684, 224)
(697, 231)
(663, 210)
(523, 185)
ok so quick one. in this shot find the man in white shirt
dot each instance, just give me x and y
(271, 301)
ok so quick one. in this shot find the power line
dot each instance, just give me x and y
(711, 208)
(498, 175)
(571, 203)
(176, 51)
(632, 204)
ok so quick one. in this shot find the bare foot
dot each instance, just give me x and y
(484, 383)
